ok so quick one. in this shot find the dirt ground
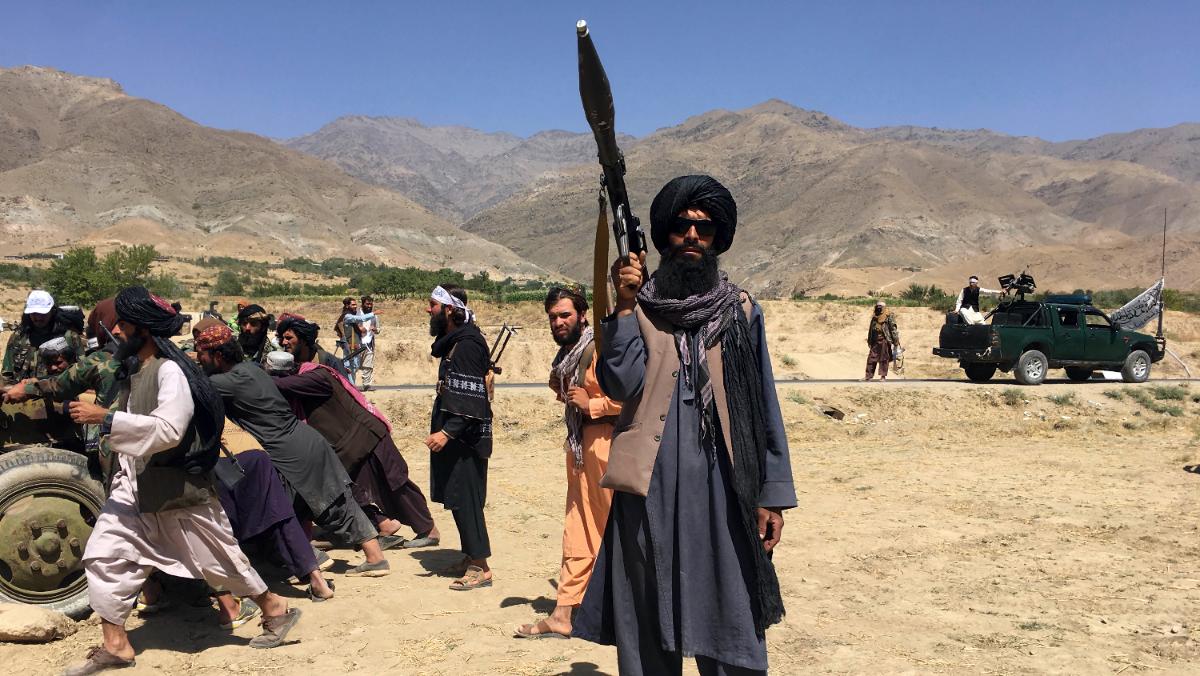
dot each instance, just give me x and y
(944, 527)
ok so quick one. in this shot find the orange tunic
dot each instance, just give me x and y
(587, 503)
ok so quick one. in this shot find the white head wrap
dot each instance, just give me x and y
(446, 298)
(280, 362)
(54, 346)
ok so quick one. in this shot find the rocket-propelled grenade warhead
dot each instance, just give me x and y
(597, 98)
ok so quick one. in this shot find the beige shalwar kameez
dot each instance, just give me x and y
(126, 544)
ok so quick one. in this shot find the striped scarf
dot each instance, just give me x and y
(707, 315)
(565, 368)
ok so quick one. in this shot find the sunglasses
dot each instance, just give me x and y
(703, 228)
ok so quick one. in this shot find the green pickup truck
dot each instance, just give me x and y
(1031, 337)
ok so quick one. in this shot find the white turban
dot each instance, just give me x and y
(446, 298)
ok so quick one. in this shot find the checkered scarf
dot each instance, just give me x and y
(565, 368)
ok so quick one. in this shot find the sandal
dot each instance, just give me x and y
(543, 631)
(275, 629)
(421, 541)
(472, 579)
(144, 607)
(248, 610)
(321, 599)
(98, 659)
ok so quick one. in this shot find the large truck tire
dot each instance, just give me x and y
(980, 373)
(49, 504)
(1031, 368)
(1136, 368)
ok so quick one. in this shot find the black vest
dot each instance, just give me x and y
(970, 298)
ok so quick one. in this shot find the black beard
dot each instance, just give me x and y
(251, 343)
(572, 336)
(678, 277)
(210, 368)
(127, 351)
(438, 324)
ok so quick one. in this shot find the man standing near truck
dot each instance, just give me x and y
(883, 337)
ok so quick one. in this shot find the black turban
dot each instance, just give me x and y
(304, 330)
(139, 307)
(251, 312)
(693, 192)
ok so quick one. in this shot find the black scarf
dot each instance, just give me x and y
(139, 307)
(718, 316)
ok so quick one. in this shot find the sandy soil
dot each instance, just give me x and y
(946, 528)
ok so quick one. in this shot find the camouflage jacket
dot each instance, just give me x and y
(21, 356)
(887, 327)
(97, 372)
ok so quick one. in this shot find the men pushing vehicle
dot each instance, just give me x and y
(1030, 337)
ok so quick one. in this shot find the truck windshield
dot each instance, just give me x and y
(1095, 320)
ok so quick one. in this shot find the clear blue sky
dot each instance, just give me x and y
(1058, 70)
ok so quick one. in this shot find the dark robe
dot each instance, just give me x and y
(363, 445)
(674, 571)
(299, 452)
(463, 411)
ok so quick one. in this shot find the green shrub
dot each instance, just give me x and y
(229, 283)
(1114, 394)
(1169, 392)
(1064, 399)
(798, 398)
(1012, 396)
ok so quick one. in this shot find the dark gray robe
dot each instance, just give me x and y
(302, 456)
(673, 573)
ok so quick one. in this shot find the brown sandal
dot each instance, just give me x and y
(472, 579)
(98, 659)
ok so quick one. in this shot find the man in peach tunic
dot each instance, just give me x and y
(589, 417)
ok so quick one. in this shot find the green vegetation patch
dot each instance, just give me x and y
(1169, 392)
(1012, 396)
(1144, 397)
(1064, 399)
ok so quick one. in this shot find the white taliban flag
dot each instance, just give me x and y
(1138, 312)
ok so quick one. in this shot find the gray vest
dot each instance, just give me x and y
(163, 484)
(638, 431)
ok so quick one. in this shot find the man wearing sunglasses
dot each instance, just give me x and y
(699, 460)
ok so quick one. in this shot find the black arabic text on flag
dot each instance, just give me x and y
(1138, 312)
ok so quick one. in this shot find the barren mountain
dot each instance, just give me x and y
(455, 172)
(1174, 151)
(813, 191)
(81, 161)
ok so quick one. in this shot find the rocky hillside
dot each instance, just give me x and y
(815, 192)
(453, 171)
(82, 162)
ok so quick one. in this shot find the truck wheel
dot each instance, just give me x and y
(1079, 374)
(1031, 368)
(49, 504)
(980, 373)
(1136, 368)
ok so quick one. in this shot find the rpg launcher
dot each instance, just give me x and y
(597, 99)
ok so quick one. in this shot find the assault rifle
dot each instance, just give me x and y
(506, 332)
(597, 99)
